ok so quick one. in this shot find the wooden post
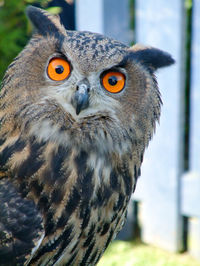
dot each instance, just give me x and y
(158, 189)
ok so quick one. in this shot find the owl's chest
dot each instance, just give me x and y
(81, 195)
(86, 205)
(51, 173)
(80, 185)
(88, 218)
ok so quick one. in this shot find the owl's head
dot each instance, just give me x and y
(82, 84)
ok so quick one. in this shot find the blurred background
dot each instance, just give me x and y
(163, 225)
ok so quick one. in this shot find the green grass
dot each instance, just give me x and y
(122, 253)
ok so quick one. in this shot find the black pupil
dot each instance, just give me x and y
(112, 80)
(59, 69)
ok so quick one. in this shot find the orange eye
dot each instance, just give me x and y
(113, 81)
(58, 69)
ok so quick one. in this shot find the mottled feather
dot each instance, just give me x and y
(66, 178)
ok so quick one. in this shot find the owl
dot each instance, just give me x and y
(77, 110)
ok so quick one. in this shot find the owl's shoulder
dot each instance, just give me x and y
(21, 226)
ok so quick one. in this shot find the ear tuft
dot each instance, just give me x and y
(151, 57)
(44, 22)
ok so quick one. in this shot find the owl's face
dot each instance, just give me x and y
(68, 81)
(85, 74)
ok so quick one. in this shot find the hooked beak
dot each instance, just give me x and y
(80, 101)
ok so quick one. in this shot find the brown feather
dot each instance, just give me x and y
(77, 172)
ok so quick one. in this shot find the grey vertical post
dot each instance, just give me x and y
(195, 88)
(109, 17)
(191, 180)
(158, 189)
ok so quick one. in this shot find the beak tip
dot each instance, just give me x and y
(78, 111)
(81, 103)
(80, 99)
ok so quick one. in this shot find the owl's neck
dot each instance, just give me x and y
(100, 135)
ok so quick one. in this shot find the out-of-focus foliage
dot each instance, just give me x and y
(188, 4)
(14, 28)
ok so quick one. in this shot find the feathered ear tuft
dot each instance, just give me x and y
(151, 57)
(44, 22)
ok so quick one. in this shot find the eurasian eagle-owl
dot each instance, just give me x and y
(77, 110)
